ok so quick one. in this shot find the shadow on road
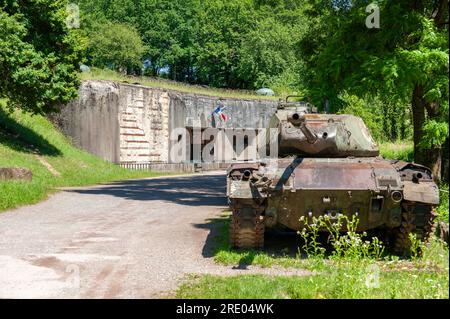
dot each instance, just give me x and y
(198, 190)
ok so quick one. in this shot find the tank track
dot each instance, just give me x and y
(247, 228)
(402, 242)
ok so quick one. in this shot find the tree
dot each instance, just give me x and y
(223, 26)
(39, 54)
(267, 55)
(168, 29)
(235, 44)
(405, 61)
(115, 45)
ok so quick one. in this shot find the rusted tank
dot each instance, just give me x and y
(329, 165)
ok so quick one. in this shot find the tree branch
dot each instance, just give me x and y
(440, 13)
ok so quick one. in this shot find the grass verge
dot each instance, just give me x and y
(388, 277)
(24, 137)
(351, 281)
(109, 75)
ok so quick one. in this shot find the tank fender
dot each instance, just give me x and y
(425, 192)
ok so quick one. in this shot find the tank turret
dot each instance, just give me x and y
(304, 132)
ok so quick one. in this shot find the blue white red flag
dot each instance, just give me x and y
(219, 112)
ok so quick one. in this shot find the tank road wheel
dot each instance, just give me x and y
(247, 229)
(422, 229)
(426, 231)
(401, 240)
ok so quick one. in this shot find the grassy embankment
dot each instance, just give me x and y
(24, 137)
(109, 75)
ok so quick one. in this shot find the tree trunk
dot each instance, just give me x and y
(403, 116)
(428, 157)
(394, 124)
(385, 120)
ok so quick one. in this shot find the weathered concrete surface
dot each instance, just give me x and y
(125, 123)
(192, 110)
(92, 121)
(134, 239)
(15, 173)
(144, 124)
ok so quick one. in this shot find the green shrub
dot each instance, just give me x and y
(442, 209)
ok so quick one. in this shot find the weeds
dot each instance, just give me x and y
(348, 245)
(310, 234)
(417, 247)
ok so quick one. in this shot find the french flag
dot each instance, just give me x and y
(219, 111)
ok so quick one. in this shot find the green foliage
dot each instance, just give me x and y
(268, 55)
(339, 282)
(243, 44)
(424, 277)
(115, 45)
(386, 120)
(435, 134)
(157, 82)
(443, 208)
(405, 62)
(347, 274)
(39, 54)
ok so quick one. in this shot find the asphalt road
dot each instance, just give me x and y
(133, 239)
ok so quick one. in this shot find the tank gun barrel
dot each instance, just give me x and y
(310, 135)
(299, 120)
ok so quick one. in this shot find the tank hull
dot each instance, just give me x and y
(375, 190)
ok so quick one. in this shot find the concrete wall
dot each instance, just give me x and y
(191, 110)
(92, 121)
(125, 123)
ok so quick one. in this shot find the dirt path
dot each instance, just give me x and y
(134, 239)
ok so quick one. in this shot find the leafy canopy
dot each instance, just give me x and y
(115, 45)
(409, 50)
(234, 44)
(39, 54)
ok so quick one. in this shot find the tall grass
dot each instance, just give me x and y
(401, 150)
